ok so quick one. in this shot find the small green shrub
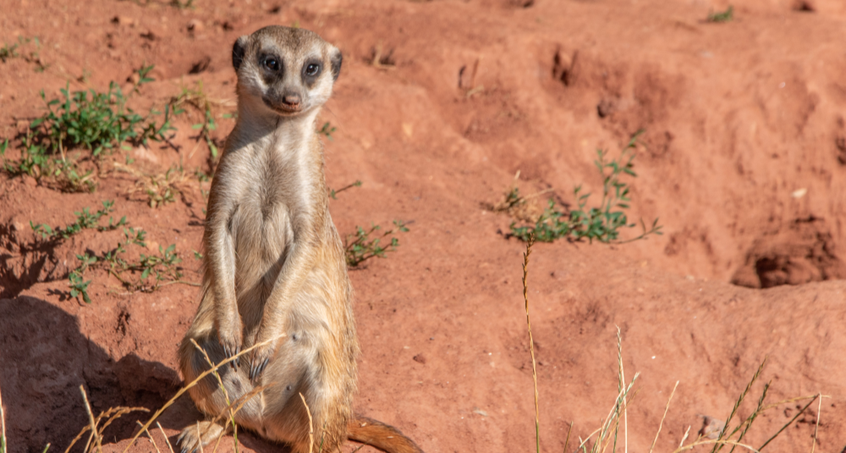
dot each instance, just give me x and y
(327, 130)
(725, 16)
(97, 121)
(154, 270)
(600, 223)
(360, 246)
(9, 51)
(333, 193)
(199, 100)
(84, 219)
(90, 120)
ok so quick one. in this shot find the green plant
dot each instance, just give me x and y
(83, 119)
(84, 219)
(97, 121)
(333, 193)
(327, 130)
(78, 286)
(725, 16)
(197, 98)
(597, 223)
(360, 247)
(155, 270)
(9, 51)
(162, 266)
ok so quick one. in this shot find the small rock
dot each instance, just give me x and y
(711, 427)
(419, 358)
(123, 20)
(195, 26)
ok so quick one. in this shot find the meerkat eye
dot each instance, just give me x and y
(270, 62)
(312, 69)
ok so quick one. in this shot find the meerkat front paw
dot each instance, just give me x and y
(229, 336)
(196, 436)
(262, 354)
(260, 359)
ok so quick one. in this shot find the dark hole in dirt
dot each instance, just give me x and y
(803, 252)
(805, 6)
(563, 67)
(840, 144)
(200, 66)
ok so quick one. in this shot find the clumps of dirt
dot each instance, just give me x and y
(802, 253)
(23, 261)
(26, 259)
(519, 207)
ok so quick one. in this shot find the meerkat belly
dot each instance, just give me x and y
(261, 235)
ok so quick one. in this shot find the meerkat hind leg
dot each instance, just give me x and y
(195, 437)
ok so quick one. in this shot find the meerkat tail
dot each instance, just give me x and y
(379, 435)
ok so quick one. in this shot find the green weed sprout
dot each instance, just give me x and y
(360, 247)
(600, 223)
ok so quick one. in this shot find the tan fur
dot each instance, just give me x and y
(275, 264)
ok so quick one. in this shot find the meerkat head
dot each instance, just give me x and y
(289, 71)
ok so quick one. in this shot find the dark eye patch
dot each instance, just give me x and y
(271, 62)
(312, 69)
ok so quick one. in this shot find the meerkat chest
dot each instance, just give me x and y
(270, 205)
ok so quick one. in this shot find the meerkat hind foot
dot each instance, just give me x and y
(195, 437)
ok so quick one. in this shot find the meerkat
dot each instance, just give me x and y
(275, 266)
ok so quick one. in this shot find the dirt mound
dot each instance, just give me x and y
(438, 106)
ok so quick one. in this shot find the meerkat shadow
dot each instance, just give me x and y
(44, 359)
(259, 445)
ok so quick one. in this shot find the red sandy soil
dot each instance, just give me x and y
(743, 160)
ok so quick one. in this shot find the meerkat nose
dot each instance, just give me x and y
(292, 99)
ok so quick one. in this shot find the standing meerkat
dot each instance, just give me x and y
(275, 266)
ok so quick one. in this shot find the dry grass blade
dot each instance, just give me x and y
(747, 423)
(94, 434)
(817, 425)
(531, 341)
(661, 425)
(237, 405)
(112, 415)
(198, 437)
(3, 445)
(684, 438)
(225, 397)
(153, 441)
(788, 423)
(716, 442)
(567, 442)
(620, 387)
(310, 425)
(169, 446)
(718, 446)
(194, 382)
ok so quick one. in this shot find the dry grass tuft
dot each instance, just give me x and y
(161, 188)
(519, 208)
(531, 341)
(605, 437)
(95, 438)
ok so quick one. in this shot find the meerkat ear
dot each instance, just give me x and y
(336, 59)
(238, 51)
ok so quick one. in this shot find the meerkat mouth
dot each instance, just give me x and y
(283, 108)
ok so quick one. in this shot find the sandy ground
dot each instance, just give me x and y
(743, 160)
